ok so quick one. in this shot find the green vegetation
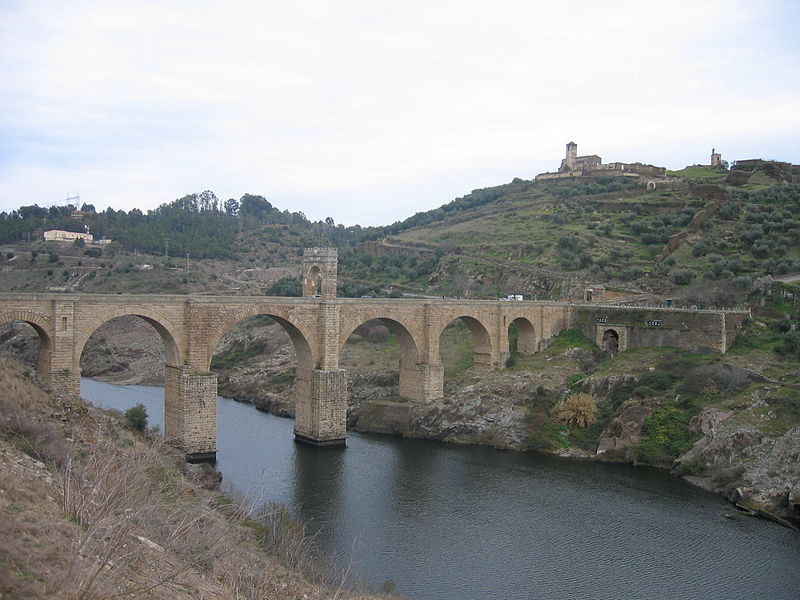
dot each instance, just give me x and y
(571, 338)
(136, 418)
(488, 243)
(238, 354)
(665, 436)
(701, 172)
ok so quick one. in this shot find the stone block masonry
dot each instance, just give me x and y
(318, 326)
(190, 412)
(321, 409)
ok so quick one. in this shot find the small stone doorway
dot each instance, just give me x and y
(610, 341)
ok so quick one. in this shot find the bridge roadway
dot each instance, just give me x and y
(192, 326)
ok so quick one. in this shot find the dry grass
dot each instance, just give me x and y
(578, 409)
(89, 510)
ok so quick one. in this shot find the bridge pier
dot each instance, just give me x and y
(190, 412)
(422, 382)
(321, 407)
(64, 382)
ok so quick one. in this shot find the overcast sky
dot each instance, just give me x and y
(369, 111)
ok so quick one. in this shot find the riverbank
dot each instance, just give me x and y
(91, 509)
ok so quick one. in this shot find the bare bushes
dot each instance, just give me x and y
(146, 528)
(110, 515)
(128, 505)
(37, 439)
(714, 378)
(31, 434)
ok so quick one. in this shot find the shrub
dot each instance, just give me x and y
(683, 276)
(53, 257)
(727, 478)
(578, 409)
(665, 435)
(378, 334)
(791, 343)
(136, 417)
(546, 435)
(658, 380)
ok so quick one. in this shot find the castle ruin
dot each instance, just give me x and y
(592, 165)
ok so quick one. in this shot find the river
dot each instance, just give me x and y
(470, 523)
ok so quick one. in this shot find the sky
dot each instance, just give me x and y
(369, 111)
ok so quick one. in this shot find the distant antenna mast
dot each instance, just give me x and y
(76, 197)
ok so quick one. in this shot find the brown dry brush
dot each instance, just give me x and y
(578, 409)
(133, 524)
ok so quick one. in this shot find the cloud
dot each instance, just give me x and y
(369, 112)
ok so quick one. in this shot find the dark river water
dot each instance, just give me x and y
(469, 523)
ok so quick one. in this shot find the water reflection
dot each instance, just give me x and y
(316, 485)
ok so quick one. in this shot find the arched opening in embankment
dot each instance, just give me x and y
(610, 341)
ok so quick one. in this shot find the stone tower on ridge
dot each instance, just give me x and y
(716, 158)
(319, 272)
(572, 154)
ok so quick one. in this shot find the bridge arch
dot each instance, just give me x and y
(43, 326)
(297, 333)
(411, 373)
(526, 335)
(167, 330)
(409, 353)
(482, 351)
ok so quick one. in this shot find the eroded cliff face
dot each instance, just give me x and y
(737, 459)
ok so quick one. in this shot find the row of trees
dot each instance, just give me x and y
(199, 224)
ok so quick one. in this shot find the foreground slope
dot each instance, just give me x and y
(89, 509)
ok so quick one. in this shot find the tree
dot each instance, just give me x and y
(255, 206)
(231, 206)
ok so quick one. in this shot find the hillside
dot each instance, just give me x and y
(702, 235)
(541, 237)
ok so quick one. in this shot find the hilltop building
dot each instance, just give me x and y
(716, 158)
(59, 235)
(592, 165)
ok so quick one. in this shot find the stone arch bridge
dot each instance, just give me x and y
(318, 325)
